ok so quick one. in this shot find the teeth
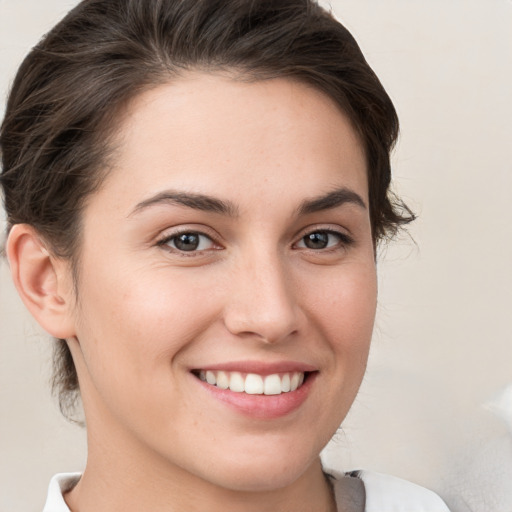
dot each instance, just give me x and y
(272, 385)
(237, 383)
(252, 383)
(211, 378)
(294, 382)
(285, 383)
(222, 380)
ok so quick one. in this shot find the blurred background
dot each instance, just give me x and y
(434, 407)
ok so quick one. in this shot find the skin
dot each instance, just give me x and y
(148, 313)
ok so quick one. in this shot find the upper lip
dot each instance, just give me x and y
(259, 367)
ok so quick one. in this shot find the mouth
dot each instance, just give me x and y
(256, 389)
(253, 383)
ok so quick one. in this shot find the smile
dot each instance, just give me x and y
(253, 383)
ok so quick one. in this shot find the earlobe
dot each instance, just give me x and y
(43, 281)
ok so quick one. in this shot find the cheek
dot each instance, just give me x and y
(344, 308)
(131, 327)
(141, 317)
(345, 314)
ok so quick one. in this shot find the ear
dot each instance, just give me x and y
(43, 281)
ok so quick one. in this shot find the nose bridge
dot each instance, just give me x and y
(262, 301)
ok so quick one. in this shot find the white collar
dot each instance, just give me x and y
(385, 493)
(59, 485)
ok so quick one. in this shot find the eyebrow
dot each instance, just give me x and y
(206, 203)
(331, 200)
(190, 200)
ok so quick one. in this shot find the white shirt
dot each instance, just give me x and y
(384, 493)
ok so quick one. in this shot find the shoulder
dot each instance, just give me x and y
(59, 485)
(385, 493)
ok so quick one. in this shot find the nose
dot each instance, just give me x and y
(262, 301)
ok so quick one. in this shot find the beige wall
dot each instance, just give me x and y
(443, 342)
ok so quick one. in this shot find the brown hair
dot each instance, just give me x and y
(65, 99)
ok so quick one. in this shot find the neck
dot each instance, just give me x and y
(117, 478)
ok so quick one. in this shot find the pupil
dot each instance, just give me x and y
(187, 242)
(316, 240)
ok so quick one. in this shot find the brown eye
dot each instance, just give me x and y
(188, 242)
(318, 240)
(323, 239)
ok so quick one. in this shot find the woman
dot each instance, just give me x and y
(195, 191)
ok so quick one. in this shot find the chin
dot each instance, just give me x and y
(262, 471)
(258, 479)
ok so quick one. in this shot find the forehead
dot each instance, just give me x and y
(205, 130)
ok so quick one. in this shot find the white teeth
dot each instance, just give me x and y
(211, 378)
(252, 383)
(285, 383)
(272, 385)
(294, 382)
(236, 383)
(222, 380)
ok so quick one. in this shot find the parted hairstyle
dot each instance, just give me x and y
(65, 103)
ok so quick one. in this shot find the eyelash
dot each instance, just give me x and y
(344, 241)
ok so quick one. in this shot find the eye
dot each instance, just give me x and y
(323, 239)
(188, 241)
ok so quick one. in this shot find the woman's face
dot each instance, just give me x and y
(230, 246)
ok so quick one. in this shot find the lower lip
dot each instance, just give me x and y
(262, 406)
